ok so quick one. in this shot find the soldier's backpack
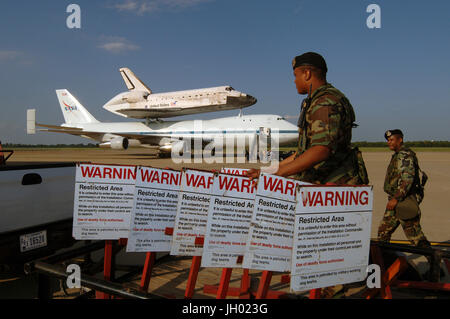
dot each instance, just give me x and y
(418, 187)
(420, 184)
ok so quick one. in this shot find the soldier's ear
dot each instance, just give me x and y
(307, 74)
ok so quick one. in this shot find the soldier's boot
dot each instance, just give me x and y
(421, 241)
(332, 291)
(424, 243)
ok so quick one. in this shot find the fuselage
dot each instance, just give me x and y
(139, 104)
(238, 127)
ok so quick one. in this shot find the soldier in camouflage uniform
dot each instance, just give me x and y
(326, 120)
(324, 153)
(401, 181)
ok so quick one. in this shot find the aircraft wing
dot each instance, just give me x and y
(143, 138)
(70, 130)
(163, 112)
(97, 135)
(58, 127)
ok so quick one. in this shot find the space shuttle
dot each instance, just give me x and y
(141, 103)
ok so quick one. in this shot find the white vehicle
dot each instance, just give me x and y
(167, 136)
(139, 102)
(37, 210)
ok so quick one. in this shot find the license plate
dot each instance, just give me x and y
(33, 241)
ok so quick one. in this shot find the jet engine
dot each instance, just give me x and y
(117, 143)
(176, 147)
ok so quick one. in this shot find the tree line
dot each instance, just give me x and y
(408, 144)
(12, 145)
(358, 144)
(383, 144)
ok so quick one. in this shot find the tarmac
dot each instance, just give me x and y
(435, 220)
(435, 207)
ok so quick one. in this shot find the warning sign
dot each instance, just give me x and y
(155, 208)
(230, 213)
(192, 212)
(234, 171)
(269, 243)
(103, 201)
(331, 236)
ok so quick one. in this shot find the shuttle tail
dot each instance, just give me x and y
(133, 82)
(72, 110)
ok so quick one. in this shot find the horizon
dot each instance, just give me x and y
(395, 76)
(353, 142)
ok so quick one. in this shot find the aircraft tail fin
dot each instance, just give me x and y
(72, 110)
(132, 81)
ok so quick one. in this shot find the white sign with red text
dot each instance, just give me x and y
(234, 171)
(269, 242)
(154, 210)
(192, 212)
(230, 213)
(331, 236)
(103, 201)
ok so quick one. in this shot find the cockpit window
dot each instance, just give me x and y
(280, 118)
(229, 88)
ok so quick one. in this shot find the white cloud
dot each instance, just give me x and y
(117, 45)
(7, 55)
(14, 56)
(129, 5)
(145, 6)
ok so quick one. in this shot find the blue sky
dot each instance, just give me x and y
(397, 76)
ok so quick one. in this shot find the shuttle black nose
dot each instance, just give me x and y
(252, 100)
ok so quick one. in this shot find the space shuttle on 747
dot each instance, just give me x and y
(140, 102)
(165, 136)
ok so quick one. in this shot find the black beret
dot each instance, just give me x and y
(310, 58)
(389, 133)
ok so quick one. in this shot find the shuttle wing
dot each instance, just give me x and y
(164, 112)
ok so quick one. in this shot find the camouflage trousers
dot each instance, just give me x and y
(411, 227)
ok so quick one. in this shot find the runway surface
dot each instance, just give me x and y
(435, 216)
(435, 207)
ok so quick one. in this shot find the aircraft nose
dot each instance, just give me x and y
(251, 100)
(109, 105)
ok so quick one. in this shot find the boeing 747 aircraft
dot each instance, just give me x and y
(166, 136)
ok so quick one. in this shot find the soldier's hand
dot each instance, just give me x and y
(391, 204)
(253, 173)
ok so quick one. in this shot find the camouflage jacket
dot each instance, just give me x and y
(328, 121)
(402, 174)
